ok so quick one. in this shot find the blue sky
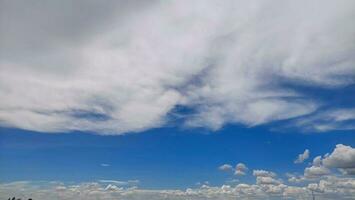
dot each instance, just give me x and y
(166, 158)
(177, 99)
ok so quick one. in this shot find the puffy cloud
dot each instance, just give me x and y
(294, 178)
(126, 65)
(302, 157)
(267, 178)
(262, 180)
(343, 157)
(296, 193)
(317, 169)
(225, 167)
(321, 182)
(330, 187)
(317, 161)
(240, 169)
(263, 173)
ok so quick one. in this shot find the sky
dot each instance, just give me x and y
(154, 99)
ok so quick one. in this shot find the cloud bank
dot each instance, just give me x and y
(127, 66)
(327, 188)
(334, 184)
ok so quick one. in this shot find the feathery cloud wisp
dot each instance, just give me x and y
(129, 67)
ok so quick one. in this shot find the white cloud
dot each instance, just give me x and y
(240, 169)
(333, 119)
(302, 157)
(105, 165)
(295, 179)
(316, 171)
(326, 184)
(120, 183)
(225, 167)
(126, 69)
(263, 173)
(266, 180)
(343, 157)
(330, 187)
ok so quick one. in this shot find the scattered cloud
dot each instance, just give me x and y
(330, 187)
(105, 165)
(294, 178)
(302, 157)
(333, 119)
(129, 67)
(316, 171)
(226, 167)
(264, 177)
(343, 158)
(240, 169)
(261, 180)
(263, 173)
(319, 179)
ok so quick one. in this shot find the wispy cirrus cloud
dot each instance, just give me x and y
(127, 68)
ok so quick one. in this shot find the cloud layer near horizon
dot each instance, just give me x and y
(125, 66)
(337, 183)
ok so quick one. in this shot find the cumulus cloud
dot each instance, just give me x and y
(240, 169)
(302, 157)
(343, 157)
(318, 179)
(267, 178)
(225, 167)
(330, 187)
(263, 173)
(261, 180)
(126, 65)
(294, 178)
(316, 170)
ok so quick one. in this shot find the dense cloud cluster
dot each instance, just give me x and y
(127, 66)
(327, 188)
(268, 185)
